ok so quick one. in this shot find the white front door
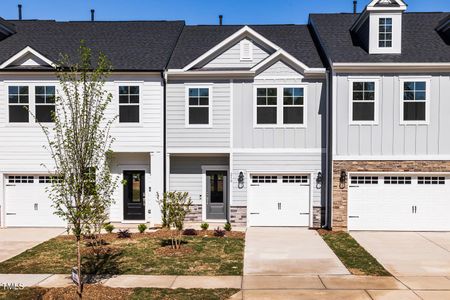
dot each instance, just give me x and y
(279, 200)
(27, 203)
(403, 202)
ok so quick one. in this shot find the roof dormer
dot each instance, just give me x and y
(380, 26)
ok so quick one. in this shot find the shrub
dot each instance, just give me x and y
(204, 226)
(227, 226)
(142, 228)
(124, 234)
(219, 232)
(190, 231)
(109, 227)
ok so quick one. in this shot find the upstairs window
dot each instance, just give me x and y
(293, 105)
(18, 99)
(198, 106)
(129, 104)
(385, 33)
(363, 101)
(45, 103)
(266, 105)
(414, 101)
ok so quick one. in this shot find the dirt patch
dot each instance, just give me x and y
(90, 292)
(169, 251)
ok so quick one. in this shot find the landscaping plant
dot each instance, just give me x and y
(219, 232)
(190, 231)
(142, 228)
(227, 226)
(109, 227)
(79, 142)
(204, 226)
(123, 234)
(174, 208)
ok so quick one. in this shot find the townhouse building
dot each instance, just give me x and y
(339, 123)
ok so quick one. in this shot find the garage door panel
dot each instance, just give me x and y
(396, 202)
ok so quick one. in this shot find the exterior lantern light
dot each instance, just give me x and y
(319, 180)
(343, 179)
(241, 180)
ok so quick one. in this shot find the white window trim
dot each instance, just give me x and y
(376, 80)
(31, 101)
(208, 86)
(374, 33)
(246, 43)
(427, 81)
(392, 33)
(117, 84)
(280, 105)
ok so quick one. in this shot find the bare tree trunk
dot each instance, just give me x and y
(80, 281)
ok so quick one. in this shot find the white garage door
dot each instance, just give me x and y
(27, 203)
(279, 200)
(403, 203)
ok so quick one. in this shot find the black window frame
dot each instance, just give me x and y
(129, 104)
(264, 104)
(385, 32)
(18, 103)
(48, 97)
(198, 110)
(415, 101)
(365, 95)
(292, 102)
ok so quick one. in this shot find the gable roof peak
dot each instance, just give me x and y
(380, 5)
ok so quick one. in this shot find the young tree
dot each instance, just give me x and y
(80, 145)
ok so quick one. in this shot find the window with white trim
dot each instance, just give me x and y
(266, 105)
(129, 104)
(199, 106)
(414, 101)
(363, 101)
(18, 99)
(293, 105)
(385, 33)
(44, 103)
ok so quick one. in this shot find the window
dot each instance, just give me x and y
(397, 180)
(431, 180)
(18, 99)
(45, 103)
(293, 106)
(129, 104)
(295, 179)
(20, 179)
(49, 179)
(385, 33)
(246, 48)
(364, 179)
(363, 101)
(198, 106)
(414, 100)
(264, 179)
(266, 106)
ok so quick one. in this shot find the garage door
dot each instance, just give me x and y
(27, 203)
(279, 200)
(403, 203)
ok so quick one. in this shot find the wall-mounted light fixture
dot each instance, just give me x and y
(319, 180)
(343, 179)
(241, 180)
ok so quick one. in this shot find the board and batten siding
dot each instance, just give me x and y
(180, 136)
(231, 58)
(186, 173)
(21, 147)
(245, 135)
(389, 137)
(274, 162)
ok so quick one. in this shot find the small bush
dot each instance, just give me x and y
(109, 227)
(227, 226)
(204, 226)
(190, 231)
(124, 234)
(219, 232)
(142, 228)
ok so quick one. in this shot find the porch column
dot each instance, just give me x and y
(156, 184)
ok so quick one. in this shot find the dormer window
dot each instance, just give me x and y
(246, 50)
(385, 33)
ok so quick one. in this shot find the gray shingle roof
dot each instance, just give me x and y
(196, 40)
(420, 40)
(130, 45)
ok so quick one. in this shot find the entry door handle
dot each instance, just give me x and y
(414, 209)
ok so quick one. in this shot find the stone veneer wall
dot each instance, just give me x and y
(340, 195)
(238, 215)
(195, 215)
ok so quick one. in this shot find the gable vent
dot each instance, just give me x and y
(246, 50)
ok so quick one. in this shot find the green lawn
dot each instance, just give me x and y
(142, 254)
(357, 260)
(103, 293)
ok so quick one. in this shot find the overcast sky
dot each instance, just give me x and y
(194, 11)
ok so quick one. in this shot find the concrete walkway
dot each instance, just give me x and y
(14, 241)
(409, 253)
(334, 287)
(288, 251)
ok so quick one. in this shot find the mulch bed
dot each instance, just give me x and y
(90, 292)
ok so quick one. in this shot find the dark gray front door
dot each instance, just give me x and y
(134, 195)
(216, 195)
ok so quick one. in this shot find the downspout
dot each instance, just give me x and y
(164, 83)
(329, 149)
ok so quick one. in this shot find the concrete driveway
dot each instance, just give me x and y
(14, 241)
(288, 251)
(409, 253)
